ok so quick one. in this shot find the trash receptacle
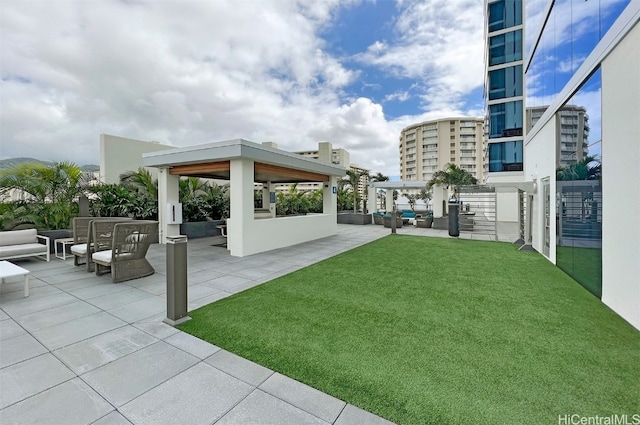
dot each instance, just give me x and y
(454, 218)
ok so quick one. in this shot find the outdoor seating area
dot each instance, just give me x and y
(23, 244)
(86, 351)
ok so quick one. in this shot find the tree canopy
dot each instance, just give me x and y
(451, 176)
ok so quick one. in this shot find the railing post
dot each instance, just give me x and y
(176, 280)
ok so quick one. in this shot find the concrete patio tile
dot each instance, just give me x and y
(198, 291)
(192, 345)
(106, 287)
(33, 303)
(75, 273)
(248, 371)
(17, 285)
(30, 377)
(201, 276)
(352, 415)
(226, 282)
(70, 403)
(94, 352)
(113, 418)
(158, 288)
(200, 395)
(40, 298)
(264, 409)
(3, 315)
(303, 396)
(19, 348)
(10, 329)
(207, 300)
(118, 299)
(155, 327)
(88, 280)
(57, 315)
(148, 280)
(140, 309)
(251, 274)
(128, 377)
(67, 333)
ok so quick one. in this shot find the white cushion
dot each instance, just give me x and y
(80, 249)
(22, 249)
(102, 256)
(17, 237)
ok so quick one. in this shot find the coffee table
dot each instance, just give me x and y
(8, 269)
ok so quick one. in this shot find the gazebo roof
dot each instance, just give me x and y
(213, 161)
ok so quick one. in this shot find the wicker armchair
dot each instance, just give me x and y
(121, 248)
(82, 239)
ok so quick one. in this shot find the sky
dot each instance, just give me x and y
(187, 72)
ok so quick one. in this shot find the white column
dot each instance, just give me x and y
(271, 188)
(168, 193)
(389, 205)
(330, 199)
(241, 208)
(265, 195)
(372, 204)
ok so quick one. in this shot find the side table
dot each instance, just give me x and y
(64, 242)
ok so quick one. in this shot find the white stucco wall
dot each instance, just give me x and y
(539, 157)
(273, 233)
(120, 154)
(621, 195)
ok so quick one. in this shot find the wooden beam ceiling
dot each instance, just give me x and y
(200, 169)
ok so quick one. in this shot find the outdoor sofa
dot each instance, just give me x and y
(23, 244)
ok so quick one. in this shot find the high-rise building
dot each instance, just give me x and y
(429, 146)
(504, 90)
(572, 132)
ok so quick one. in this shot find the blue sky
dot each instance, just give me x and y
(352, 72)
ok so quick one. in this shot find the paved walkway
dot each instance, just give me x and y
(82, 350)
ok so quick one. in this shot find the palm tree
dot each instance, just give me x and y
(353, 179)
(581, 170)
(451, 177)
(49, 193)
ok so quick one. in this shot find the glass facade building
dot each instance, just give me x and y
(504, 86)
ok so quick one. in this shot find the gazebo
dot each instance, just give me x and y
(245, 163)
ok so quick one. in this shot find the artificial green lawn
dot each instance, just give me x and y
(437, 331)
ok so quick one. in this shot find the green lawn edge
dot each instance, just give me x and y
(437, 331)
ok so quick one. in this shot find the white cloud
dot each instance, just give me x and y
(193, 72)
(440, 43)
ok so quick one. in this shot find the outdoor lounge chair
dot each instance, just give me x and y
(121, 248)
(83, 238)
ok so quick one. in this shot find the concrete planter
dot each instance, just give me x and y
(201, 229)
(441, 223)
(351, 218)
(387, 221)
(55, 234)
(424, 222)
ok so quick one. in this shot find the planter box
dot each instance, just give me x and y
(424, 222)
(441, 223)
(351, 218)
(201, 229)
(55, 234)
(387, 222)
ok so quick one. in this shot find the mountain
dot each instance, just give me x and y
(10, 162)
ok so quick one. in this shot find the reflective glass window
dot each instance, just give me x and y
(505, 48)
(504, 14)
(505, 119)
(505, 156)
(506, 82)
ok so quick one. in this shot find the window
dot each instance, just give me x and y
(505, 156)
(506, 82)
(505, 119)
(505, 48)
(504, 14)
